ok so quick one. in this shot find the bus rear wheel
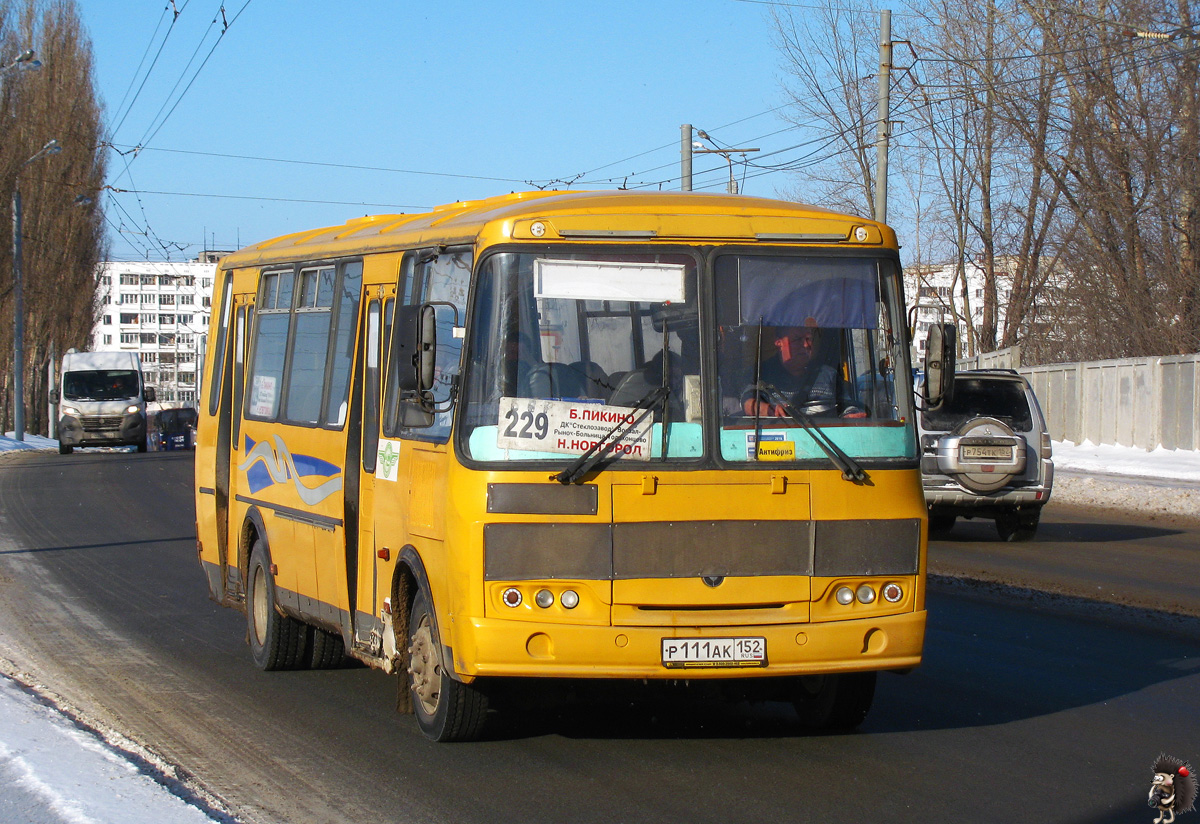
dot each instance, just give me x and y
(446, 710)
(277, 641)
(834, 702)
(326, 650)
(65, 449)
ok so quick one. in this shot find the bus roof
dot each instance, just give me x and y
(575, 215)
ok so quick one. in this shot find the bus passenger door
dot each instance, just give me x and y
(212, 464)
(367, 621)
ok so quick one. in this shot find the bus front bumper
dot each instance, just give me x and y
(523, 649)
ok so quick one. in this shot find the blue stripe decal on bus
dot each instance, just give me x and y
(266, 466)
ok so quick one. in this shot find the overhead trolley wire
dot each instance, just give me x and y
(227, 24)
(153, 63)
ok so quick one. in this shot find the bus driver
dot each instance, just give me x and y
(807, 385)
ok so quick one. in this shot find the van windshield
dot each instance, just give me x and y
(100, 385)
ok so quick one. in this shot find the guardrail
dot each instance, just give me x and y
(1142, 402)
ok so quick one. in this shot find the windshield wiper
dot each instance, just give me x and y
(601, 448)
(851, 470)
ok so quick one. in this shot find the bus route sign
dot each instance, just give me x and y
(571, 428)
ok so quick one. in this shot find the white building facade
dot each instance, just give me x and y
(161, 311)
(935, 294)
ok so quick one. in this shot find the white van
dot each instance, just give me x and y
(102, 401)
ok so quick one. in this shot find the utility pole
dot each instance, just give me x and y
(732, 188)
(685, 158)
(18, 324)
(881, 142)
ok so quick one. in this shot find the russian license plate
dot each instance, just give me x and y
(985, 453)
(714, 652)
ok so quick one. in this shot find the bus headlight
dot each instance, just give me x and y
(866, 595)
(569, 599)
(511, 597)
(70, 410)
(892, 593)
(544, 598)
(129, 410)
(844, 596)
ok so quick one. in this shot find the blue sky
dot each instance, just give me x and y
(442, 101)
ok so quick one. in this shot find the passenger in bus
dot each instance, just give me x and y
(800, 378)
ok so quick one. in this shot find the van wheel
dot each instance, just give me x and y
(276, 640)
(833, 702)
(1018, 524)
(64, 449)
(446, 710)
(141, 447)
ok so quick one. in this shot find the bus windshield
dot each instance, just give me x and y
(573, 349)
(814, 338)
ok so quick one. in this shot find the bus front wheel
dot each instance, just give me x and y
(446, 710)
(277, 641)
(834, 702)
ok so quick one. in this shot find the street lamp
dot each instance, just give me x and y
(24, 61)
(726, 153)
(50, 148)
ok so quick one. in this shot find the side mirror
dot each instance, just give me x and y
(940, 353)
(416, 347)
(148, 393)
(53, 396)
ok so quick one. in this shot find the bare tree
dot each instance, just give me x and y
(63, 234)
(830, 57)
(1131, 179)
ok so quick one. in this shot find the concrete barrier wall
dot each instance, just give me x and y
(1143, 402)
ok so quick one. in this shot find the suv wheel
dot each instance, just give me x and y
(940, 523)
(1018, 524)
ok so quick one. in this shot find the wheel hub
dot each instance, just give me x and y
(424, 668)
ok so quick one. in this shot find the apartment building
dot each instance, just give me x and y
(161, 311)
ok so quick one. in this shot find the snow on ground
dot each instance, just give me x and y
(54, 770)
(1162, 481)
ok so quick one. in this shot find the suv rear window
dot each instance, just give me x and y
(979, 397)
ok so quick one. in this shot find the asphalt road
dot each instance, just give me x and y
(1021, 712)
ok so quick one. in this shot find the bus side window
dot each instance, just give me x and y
(215, 384)
(239, 350)
(424, 276)
(371, 388)
(273, 315)
(342, 344)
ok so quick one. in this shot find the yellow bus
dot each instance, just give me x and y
(605, 435)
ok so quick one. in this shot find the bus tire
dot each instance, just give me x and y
(277, 641)
(64, 449)
(446, 710)
(834, 702)
(141, 447)
(326, 650)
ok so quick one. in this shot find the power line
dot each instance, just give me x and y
(417, 209)
(326, 164)
(220, 37)
(153, 63)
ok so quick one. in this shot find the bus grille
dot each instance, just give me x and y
(108, 423)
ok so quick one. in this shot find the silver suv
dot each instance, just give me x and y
(986, 454)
